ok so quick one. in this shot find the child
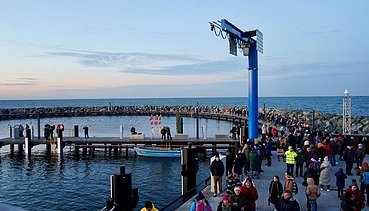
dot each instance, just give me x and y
(340, 181)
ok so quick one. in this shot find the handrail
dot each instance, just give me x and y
(176, 203)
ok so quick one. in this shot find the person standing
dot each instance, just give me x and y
(85, 129)
(349, 157)
(169, 135)
(313, 193)
(299, 162)
(238, 202)
(340, 181)
(217, 171)
(289, 183)
(268, 150)
(325, 174)
(275, 192)
(363, 171)
(21, 129)
(200, 196)
(254, 164)
(225, 204)
(250, 194)
(290, 159)
(163, 132)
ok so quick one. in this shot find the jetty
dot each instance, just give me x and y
(115, 145)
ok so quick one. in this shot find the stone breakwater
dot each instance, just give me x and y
(322, 121)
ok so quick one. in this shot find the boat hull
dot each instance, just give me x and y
(157, 152)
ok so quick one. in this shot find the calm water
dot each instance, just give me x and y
(83, 184)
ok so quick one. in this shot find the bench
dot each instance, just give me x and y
(181, 136)
(139, 136)
(221, 137)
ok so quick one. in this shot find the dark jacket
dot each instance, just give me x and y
(275, 191)
(217, 168)
(340, 178)
(238, 202)
(239, 163)
(290, 205)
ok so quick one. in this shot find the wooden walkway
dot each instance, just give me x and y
(115, 143)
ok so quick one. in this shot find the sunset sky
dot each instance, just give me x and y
(146, 48)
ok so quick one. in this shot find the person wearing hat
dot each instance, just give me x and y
(290, 159)
(238, 202)
(200, 196)
(358, 200)
(217, 171)
(225, 204)
(359, 154)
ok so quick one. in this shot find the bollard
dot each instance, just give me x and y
(124, 197)
(38, 127)
(10, 131)
(27, 142)
(59, 130)
(179, 124)
(188, 168)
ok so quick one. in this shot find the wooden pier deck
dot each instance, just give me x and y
(116, 143)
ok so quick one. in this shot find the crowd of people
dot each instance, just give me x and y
(307, 154)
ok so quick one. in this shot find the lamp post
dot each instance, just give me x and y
(244, 41)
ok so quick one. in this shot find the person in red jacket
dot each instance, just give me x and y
(250, 194)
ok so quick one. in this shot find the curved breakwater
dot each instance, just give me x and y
(322, 120)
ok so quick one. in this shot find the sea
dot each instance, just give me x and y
(83, 183)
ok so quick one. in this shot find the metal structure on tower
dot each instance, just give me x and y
(346, 117)
(245, 42)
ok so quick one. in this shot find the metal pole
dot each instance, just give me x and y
(38, 127)
(253, 93)
(313, 124)
(197, 120)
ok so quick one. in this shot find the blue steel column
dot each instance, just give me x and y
(253, 93)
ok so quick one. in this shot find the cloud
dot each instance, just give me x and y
(313, 69)
(155, 64)
(21, 82)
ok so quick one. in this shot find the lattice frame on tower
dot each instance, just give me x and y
(346, 126)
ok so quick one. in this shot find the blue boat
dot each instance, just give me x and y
(158, 152)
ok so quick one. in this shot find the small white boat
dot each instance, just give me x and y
(160, 152)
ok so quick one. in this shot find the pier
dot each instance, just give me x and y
(115, 145)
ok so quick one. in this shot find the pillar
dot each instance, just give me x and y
(253, 93)
(188, 169)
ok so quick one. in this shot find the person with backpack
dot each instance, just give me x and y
(313, 193)
(200, 202)
(290, 183)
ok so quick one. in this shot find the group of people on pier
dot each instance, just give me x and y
(307, 154)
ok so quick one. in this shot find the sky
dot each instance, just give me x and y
(77, 49)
